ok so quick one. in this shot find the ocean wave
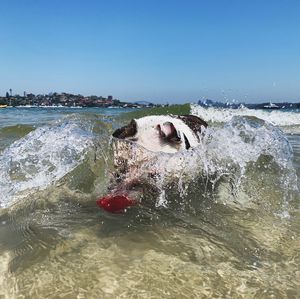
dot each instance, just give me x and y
(221, 115)
(40, 158)
(49, 153)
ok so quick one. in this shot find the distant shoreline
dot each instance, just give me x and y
(67, 100)
(59, 100)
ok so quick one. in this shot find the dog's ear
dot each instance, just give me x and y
(194, 122)
(127, 131)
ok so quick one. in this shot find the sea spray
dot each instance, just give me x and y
(40, 158)
(246, 143)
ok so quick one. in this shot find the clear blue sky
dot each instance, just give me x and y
(167, 50)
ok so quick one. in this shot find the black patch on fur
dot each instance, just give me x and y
(127, 131)
(194, 122)
(187, 144)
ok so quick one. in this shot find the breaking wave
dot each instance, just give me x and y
(221, 115)
(40, 158)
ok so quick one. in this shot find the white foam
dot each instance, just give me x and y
(41, 158)
(219, 115)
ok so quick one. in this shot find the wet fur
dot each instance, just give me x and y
(131, 172)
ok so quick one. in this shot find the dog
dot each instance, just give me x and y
(138, 146)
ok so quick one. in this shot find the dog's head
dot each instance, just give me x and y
(163, 133)
(138, 157)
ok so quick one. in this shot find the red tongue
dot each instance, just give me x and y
(115, 203)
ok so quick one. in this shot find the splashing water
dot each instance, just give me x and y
(245, 139)
(224, 152)
(41, 158)
(246, 142)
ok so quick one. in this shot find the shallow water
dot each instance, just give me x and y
(228, 227)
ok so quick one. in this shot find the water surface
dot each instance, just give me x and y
(228, 228)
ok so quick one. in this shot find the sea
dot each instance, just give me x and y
(227, 226)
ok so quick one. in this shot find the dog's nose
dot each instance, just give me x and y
(169, 133)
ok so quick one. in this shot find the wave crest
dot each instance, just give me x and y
(40, 158)
(221, 115)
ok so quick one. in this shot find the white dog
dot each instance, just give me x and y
(137, 146)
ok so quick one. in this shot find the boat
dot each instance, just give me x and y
(271, 106)
(3, 106)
